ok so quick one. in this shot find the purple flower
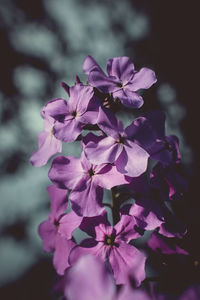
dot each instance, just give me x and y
(86, 182)
(56, 231)
(117, 147)
(48, 144)
(111, 243)
(72, 115)
(89, 279)
(123, 81)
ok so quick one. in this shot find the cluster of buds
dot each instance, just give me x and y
(113, 158)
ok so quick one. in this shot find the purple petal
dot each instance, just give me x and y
(62, 250)
(141, 131)
(125, 229)
(69, 130)
(125, 259)
(89, 280)
(88, 224)
(80, 96)
(65, 87)
(105, 151)
(68, 223)
(48, 146)
(88, 246)
(66, 171)
(120, 67)
(157, 121)
(128, 98)
(103, 83)
(86, 198)
(164, 245)
(109, 124)
(133, 160)
(91, 137)
(55, 108)
(86, 164)
(146, 217)
(59, 202)
(90, 64)
(48, 233)
(143, 79)
(89, 117)
(109, 177)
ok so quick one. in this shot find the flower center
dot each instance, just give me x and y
(91, 172)
(56, 223)
(120, 85)
(75, 114)
(110, 240)
(120, 140)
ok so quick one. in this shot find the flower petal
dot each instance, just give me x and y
(105, 151)
(109, 177)
(59, 202)
(48, 232)
(128, 98)
(125, 259)
(88, 279)
(133, 160)
(103, 83)
(125, 229)
(90, 64)
(120, 67)
(143, 79)
(66, 171)
(48, 146)
(62, 250)
(68, 223)
(86, 198)
(68, 131)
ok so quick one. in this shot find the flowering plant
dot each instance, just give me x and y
(113, 158)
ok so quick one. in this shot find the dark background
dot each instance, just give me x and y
(45, 42)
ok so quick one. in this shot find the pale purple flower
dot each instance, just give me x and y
(56, 232)
(71, 116)
(117, 147)
(86, 182)
(89, 279)
(48, 144)
(111, 243)
(122, 81)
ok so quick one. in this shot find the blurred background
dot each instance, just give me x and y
(44, 42)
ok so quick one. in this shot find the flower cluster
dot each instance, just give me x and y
(113, 158)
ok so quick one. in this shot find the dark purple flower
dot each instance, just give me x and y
(164, 245)
(86, 182)
(72, 115)
(123, 81)
(149, 133)
(111, 243)
(150, 209)
(56, 232)
(168, 180)
(117, 147)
